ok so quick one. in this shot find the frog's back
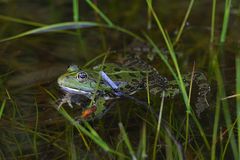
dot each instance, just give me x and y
(134, 74)
(153, 79)
(128, 80)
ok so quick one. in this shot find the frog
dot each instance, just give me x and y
(109, 81)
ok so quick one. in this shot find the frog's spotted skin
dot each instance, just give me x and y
(129, 78)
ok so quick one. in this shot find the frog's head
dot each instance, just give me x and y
(76, 81)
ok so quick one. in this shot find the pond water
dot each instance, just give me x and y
(32, 128)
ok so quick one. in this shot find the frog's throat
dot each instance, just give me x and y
(75, 91)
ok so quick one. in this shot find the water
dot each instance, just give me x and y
(29, 67)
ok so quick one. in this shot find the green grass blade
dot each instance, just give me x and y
(75, 11)
(137, 37)
(149, 16)
(35, 148)
(213, 20)
(169, 147)
(21, 21)
(126, 140)
(96, 9)
(187, 115)
(98, 81)
(173, 150)
(49, 93)
(173, 56)
(228, 122)
(179, 76)
(230, 132)
(225, 108)
(94, 59)
(141, 155)
(54, 99)
(90, 132)
(2, 107)
(161, 55)
(218, 106)
(67, 26)
(238, 100)
(78, 31)
(175, 76)
(184, 21)
(79, 127)
(72, 154)
(225, 20)
(55, 28)
(158, 128)
(148, 90)
(215, 128)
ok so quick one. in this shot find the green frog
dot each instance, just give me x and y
(110, 81)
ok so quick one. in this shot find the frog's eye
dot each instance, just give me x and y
(82, 75)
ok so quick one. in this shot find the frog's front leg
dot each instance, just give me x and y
(71, 99)
(65, 99)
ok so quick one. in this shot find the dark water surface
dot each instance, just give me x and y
(29, 67)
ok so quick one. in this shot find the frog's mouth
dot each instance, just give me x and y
(75, 91)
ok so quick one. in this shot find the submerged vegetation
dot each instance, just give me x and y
(39, 40)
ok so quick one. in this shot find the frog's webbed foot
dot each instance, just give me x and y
(201, 105)
(202, 102)
(203, 88)
(63, 101)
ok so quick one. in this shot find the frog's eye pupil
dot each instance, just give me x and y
(81, 75)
